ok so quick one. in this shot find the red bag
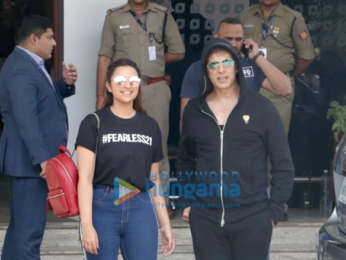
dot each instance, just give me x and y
(62, 178)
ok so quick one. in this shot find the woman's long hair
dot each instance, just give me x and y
(137, 103)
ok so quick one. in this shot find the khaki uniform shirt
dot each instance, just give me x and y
(286, 39)
(123, 37)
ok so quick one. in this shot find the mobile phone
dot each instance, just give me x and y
(245, 50)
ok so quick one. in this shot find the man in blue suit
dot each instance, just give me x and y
(35, 124)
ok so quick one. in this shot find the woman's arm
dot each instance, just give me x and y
(168, 242)
(86, 166)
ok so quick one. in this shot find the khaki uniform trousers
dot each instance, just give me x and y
(284, 107)
(282, 104)
(156, 100)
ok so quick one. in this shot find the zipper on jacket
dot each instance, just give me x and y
(222, 223)
(221, 172)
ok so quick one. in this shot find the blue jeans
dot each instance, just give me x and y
(130, 226)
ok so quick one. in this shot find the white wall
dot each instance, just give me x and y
(83, 21)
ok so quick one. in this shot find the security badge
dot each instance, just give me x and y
(264, 51)
(246, 119)
(152, 53)
(152, 48)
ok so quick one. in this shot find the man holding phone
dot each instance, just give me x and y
(257, 70)
(284, 36)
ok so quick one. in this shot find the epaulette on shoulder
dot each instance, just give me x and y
(160, 7)
(251, 8)
(255, 6)
(291, 11)
(111, 10)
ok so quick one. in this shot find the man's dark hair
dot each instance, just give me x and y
(229, 20)
(33, 24)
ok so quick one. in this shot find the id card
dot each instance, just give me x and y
(264, 50)
(152, 53)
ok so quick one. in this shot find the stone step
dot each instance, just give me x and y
(286, 239)
(273, 256)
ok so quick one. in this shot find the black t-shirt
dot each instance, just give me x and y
(126, 147)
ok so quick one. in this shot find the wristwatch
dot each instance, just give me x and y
(257, 55)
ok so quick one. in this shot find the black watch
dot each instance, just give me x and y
(257, 55)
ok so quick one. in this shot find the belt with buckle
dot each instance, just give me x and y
(149, 80)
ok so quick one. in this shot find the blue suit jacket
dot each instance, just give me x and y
(34, 116)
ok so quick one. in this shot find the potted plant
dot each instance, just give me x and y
(337, 113)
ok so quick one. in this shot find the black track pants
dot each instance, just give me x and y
(248, 239)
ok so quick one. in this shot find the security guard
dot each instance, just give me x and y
(285, 41)
(146, 33)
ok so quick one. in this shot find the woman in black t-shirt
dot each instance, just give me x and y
(120, 141)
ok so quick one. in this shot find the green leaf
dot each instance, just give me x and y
(337, 113)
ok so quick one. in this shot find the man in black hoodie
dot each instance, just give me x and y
(228, 134)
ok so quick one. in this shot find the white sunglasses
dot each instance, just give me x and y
(121, 80)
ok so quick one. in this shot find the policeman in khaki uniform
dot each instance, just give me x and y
(146, 33)
(284, 39)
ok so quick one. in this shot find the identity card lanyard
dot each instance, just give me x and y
(152, 48)
(141, 24)
(265, 27)
(265, 31)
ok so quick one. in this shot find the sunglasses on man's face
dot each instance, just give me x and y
(215, 64)
(121, 80)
